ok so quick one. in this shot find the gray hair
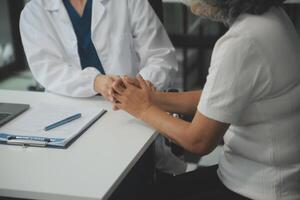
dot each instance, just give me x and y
(229, 10)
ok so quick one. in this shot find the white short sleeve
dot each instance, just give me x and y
(236, 69)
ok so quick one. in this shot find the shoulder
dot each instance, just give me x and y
(261, 27)
(34, 8)
(232, 44)
(34, 4)
(236, 56)
(34, 14)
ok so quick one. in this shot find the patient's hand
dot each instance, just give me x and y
(133, 81)
(119, 86)
(103, 85)
(135, 100)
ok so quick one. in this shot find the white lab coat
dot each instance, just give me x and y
(127, 35)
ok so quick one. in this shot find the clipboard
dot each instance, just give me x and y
(28, 129)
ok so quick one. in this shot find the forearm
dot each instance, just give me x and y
(183, 102)
(173, 128)
(199, 136)
(60, 79)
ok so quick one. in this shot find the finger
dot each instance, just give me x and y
(114, 98)
(131, 88)
(114, 78)
(149, 84)
(133, 81)
(119, 86)
(118, 98)
(118, 81)
(126, 82)
(129, 79)
(119, 106)
(115, 107)
(109, 95)
(142, 82)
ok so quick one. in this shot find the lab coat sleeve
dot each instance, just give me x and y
(157, 55)
(46, 57)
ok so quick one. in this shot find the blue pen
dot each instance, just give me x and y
(62, 122)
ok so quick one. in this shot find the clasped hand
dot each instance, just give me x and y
(134, 95)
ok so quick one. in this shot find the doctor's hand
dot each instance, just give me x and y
(135, 100)
(103, 85)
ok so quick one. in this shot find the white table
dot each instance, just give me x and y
(91, 168)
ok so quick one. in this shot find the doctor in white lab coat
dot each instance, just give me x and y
(127, 35)
(128, 38)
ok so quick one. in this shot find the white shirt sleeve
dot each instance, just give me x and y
(151, 42)
(45, 57)
(237, 76)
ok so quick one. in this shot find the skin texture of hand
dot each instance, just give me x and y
(135, 100)
(119, 87)
(103, 85)
(134, 81)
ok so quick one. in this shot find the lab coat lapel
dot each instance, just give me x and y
(63, 26)
(97, 13)
(62, 18)
(66, 25)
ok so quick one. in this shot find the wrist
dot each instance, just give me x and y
(146, 112)
(156, 98)
(98, 83)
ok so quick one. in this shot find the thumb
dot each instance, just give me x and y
(142, 82)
